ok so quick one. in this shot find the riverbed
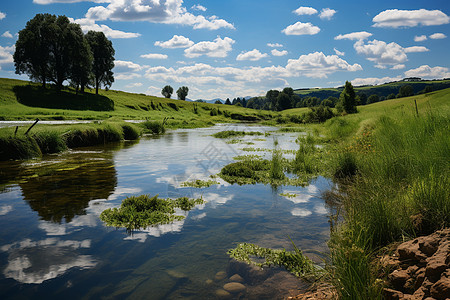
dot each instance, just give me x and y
(53, 245)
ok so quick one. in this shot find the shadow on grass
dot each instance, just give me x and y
(36, 96)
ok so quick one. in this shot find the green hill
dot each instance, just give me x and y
(382, 90)
(22, 100)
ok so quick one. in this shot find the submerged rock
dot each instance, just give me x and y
(220, 293)
(220, 275)
(236, 278)
(234, 287)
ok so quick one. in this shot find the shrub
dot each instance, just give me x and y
(154, 126)
(50, 141)
(130, 132)
(18, 148)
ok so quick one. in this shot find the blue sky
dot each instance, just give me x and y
(236, 48)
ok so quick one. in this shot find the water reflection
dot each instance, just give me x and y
(61, 190)
(36, 261)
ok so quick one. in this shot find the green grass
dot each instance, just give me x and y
(233, 133)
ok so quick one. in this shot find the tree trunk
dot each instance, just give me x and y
(96, 86)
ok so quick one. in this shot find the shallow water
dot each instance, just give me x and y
(53, 245)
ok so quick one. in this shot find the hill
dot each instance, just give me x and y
(382, 90)
(22, 100)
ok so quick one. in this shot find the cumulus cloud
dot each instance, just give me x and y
(381, 53)
(218, 48)
(300, 28)
(2, 15)
(177, 41)
(276, 52)
(198, 7)
(275, 45)
(319, 65)
(87, 24)
(253, 55)
(7, 34)
(416, 49)
(6, 56)
(45, 2)
(154, 56)
(427, 72)
(437, 36)
(126, 70)
(361, 35)
(374, 80)
(338, 52)
(396, 18)
(420, 38)
(327, 13)
(162, 11)
(302, 10)
(134, 85)
(398, 67)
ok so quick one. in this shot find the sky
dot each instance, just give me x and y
(239, 48)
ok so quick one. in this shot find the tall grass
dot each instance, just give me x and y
(400, 189)
(22, 147)
(154, 127)
(276, 166)
(50, 141)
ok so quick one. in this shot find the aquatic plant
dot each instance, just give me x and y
(22, 147)
(199, 183)
(130, 132)
(139, 212)
(276, 165)
(154, 127)
(50, 141)
(231, 133)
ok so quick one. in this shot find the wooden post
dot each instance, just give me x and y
(417, 111)
(37, 120)
(15, 132)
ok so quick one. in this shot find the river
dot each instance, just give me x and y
(53, 245)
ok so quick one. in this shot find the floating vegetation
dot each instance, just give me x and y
(231, 133)
(235, 141)
(199, 183)
(294, 261)
(259, 140)
(276, 166)
(288, 195)
(250, 156)
(140, 212)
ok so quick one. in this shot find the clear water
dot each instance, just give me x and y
(53, 245)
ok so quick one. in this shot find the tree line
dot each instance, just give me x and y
(52, 49)
(182, 92)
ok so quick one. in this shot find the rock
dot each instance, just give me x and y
(234, 287)
(222, 294)
(441, 289)
(220, 276)
(399, 278)
(390, 294)
(209, 281)
(176, 274)
(429, 245)
(236, 278)
(410, 250)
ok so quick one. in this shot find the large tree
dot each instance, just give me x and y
(182, 92)
(347, 99)
(33, 48)
(103, 59)
(81, 58)
(167, 91)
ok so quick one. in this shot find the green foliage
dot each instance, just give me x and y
(182, 92)
(346, 166)
(144, 211)
(167, 91)
(232, 133)
(405, 91)
(305, 161)
(318, 114)
(20, 147)
(199, 183)
(276, 166)
(50, 141)
(154, 126)
(347, 99)
(248, 171)
(130, 132)
(294, 261)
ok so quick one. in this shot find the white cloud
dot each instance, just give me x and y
(302, 10)
(45, 2)
(218, 48)
(87, 24)
(2, 15)
(361, 35)
(154, 56)
(276, 52)
(198, 7)
(7, 34)
(415, 49)
(253, 55)
(319, 65)
(420, 38)
(381, 53)
(301, 212)
(300, 28)
(398, 67)
(156, 11)
(410, 18)
(428, 72)
(437, 36)
(126, 70)
(177, 41)
(327, 13)
(275, 45)
(6, 55)
(5, 209)
(338, 52)
(134, 85)
(374, 81)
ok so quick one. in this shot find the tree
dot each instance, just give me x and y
(271, 96)
(405, 91)
(167, 91)
(218, 102)
(347, 99)
(373, 99)
(283, 101)
(182, 92)
(103, 59)
(81, 58)
(391, 96)
(33, 48)
(228, 102)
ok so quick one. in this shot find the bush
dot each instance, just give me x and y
(50, 141)
(130, 132)
(18, 148)
(154, 126)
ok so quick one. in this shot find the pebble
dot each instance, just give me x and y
(222, 293)
(236, 278)
(220, 275)
(234, 287)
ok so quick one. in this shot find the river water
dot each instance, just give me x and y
(53, 245)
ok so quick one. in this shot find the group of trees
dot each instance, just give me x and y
(182, 92)
(52, 49)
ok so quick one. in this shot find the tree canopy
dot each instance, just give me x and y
(167, 91)
(51, 49)
(182, 92)
(347, 99)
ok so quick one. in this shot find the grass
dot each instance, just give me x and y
(233, 133)
(140, 212)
